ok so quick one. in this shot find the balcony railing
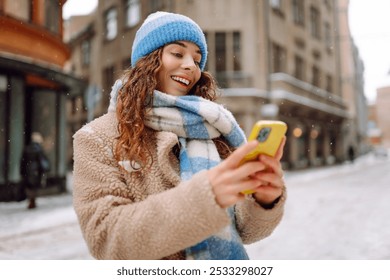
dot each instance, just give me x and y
(234, 79)
(284, 86)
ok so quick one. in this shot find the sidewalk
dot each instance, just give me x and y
(50, 231)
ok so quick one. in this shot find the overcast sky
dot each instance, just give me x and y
(77, 7)
(370, 28)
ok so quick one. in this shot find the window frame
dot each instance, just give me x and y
(108, 21)
(316, 76)
(220, 53)
(277, 7)
(315, 22)
(298, 11)
(279, 57)
(131, 7)
(86, 52)
(52, 16)
(299, 70)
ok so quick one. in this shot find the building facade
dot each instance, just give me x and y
(272, 59)
(383, 115)
(352, 87)
(33, 89)
(282, 53)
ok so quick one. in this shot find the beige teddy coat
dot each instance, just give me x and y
(150, 214)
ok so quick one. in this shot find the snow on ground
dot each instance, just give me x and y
(336, 212)
(50, 231)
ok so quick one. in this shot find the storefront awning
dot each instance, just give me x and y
(71, 86)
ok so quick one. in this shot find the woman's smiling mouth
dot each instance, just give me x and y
(181, 80)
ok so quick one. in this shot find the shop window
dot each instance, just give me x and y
(301, 146)
(44, 119)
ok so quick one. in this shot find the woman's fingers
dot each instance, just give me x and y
(230, 178)
(270, 179)
(273, 164)
(235, 158)
(230, 194)
(246, 170)
(248, 184)
(279, 152)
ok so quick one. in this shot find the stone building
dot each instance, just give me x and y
(272, 58)
(355, 127)
(374, 132)
(383, 115)
(33, 89)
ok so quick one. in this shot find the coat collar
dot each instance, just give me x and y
(166, 159)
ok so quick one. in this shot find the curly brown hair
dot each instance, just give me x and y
(135, 98)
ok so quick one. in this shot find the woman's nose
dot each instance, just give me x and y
(188, 63)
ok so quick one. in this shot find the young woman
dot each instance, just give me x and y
(158, 176)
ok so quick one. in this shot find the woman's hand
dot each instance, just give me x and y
(271, 178)
(228, 179)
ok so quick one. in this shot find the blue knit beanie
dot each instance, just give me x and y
(161, 28)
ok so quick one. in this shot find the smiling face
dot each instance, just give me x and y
(180, 70)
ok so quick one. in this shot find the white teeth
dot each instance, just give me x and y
(182, 80)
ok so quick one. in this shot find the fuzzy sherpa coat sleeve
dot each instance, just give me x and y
(254, 222)
(116, 227)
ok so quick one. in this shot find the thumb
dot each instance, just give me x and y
(235, 158)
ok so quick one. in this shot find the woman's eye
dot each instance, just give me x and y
(178, 55)
(197, 63)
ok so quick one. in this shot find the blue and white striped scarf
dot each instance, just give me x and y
(196, 121)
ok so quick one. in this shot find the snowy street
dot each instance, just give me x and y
(338, 212)
(334, 213)
(48, 232)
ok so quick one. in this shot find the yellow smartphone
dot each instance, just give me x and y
(270, 135)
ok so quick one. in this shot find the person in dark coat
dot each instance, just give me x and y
(33, 165)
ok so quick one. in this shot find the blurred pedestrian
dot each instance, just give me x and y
(351, 154)
(158, 176)
(33, 166)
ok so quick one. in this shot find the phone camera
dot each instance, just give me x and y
(263, 134)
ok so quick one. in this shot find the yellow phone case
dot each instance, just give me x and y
(270, 135)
